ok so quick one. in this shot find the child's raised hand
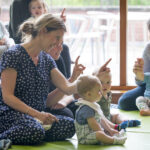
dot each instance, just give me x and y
(138, 69)
(62, 15)
(77, 70)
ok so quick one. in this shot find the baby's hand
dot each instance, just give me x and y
(113, 132)
(121, 133)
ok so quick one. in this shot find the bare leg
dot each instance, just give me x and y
(104, 138)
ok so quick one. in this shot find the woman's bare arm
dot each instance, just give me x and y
(8, 82)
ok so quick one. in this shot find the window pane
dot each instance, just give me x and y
(92, 32)
(137, 35)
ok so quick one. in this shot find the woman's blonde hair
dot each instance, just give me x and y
(31, 28)
(86, 83)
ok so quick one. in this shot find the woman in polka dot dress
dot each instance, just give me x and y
(26, 70)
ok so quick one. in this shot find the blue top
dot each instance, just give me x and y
(32, 83)
(83, 114)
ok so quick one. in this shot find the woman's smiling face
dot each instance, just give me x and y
(53, 41)
(56, 51)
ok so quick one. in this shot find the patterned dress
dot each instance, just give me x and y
(32, 87)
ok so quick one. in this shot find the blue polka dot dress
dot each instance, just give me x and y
(32, 87)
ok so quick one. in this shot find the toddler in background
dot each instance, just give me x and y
(37, 8)
(5, 41)
(105, 103)
(91, 125)
(142, 102)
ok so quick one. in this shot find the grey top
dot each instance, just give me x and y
(146, 57)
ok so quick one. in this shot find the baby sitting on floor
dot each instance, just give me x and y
(106, 101)
(91, 125)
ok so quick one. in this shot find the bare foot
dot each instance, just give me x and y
(145, 112)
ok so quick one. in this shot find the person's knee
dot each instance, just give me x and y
(127, 100)
(123, 102)
(29, 134)
(37, 134)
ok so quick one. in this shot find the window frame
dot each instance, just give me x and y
(123, 48)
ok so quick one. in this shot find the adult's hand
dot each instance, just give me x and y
(59, 105)
(77, 70)
(138, 69)
(103, 69)
(62, 15)
(46, 118)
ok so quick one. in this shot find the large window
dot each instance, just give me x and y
(93, 32)
(137, 36)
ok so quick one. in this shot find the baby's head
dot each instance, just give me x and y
(105, 79)
(89, 88)
(37, 8)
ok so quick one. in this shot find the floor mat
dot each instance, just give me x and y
(137, 138)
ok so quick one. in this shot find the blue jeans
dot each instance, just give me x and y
(128, 100)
